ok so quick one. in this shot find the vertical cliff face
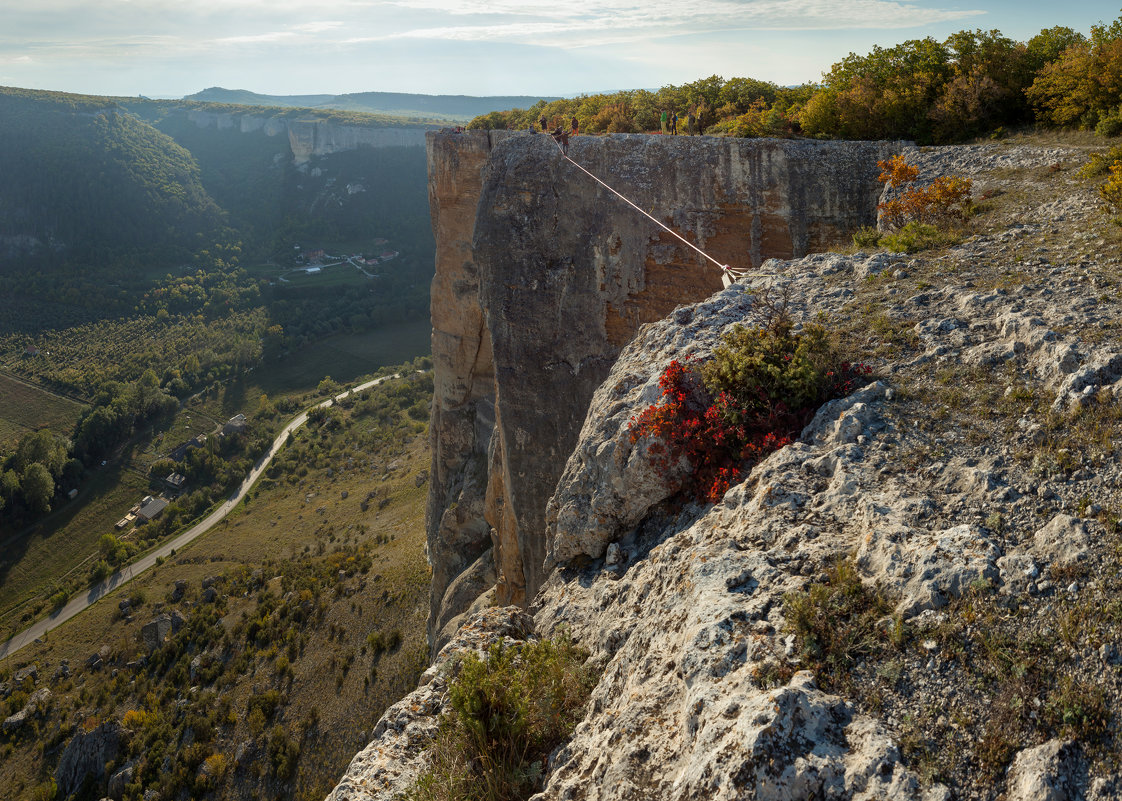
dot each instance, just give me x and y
(542, 276)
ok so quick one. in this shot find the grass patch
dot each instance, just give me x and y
(509, 710)
(839, 622)
(25, 407)
(916, 236)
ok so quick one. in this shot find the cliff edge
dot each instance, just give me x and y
(543, 276)
(975, 486)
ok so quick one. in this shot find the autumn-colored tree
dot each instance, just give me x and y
(942, 200)
(1084, 83)
(990, 75)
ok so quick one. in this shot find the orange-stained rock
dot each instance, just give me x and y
(543, 275)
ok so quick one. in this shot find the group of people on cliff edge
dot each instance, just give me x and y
(669, 122)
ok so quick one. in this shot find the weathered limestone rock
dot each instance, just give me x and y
(1044, 773)
(528, 318)
(154, 632)
(34, 706)
(928, 569)
(1064, 541)
(118, 781)
(87, 753)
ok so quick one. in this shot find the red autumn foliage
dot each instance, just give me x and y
(720, 439)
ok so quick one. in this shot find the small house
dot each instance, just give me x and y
(176, 481)
(31, 350)
(151, 507)
(235, 425)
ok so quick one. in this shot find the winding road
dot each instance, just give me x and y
(131, 571)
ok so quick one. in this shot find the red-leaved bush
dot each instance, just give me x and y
(756, 394)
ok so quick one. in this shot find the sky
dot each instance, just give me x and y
(171, 48)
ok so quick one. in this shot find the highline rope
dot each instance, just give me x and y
(728, 274)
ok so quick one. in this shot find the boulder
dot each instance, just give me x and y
(118, 781)
(34, 706)
(1045, 773)
(87, 754)
(153, 633)
(1063, 542)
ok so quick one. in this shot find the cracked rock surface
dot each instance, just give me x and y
(975, 483)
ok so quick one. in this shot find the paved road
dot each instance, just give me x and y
(128, 572)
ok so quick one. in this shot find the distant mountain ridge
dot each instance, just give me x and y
(451, 107)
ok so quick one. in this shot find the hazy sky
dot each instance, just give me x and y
(478, 47)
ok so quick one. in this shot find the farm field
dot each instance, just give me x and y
(25, 407)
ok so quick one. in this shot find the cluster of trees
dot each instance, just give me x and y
(44, 466)
(923, 89)
(118, 410)
(712, 100)
(40, 467)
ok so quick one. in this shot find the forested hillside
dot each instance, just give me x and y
(147, 254)
(89, 182)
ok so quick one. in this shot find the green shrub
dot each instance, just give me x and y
(1110, 123)
(916, 236)
(867, 236)
(771, 370)
(835, 623)
(508, 711)
(1099, 163)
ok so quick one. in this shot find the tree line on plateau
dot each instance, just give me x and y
(972, 83)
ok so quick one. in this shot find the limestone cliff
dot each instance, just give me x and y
(542, 276)
(976, 483)
(311, 137)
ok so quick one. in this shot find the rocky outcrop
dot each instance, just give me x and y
(542, 276)
(87, 754)
(312, 137)
(35, 705)
(976, 483)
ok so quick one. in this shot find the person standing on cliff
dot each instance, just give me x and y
(542, 121)
(674, 123)
(576, 125)
(691, 121)
(562, 138)
(662, 120)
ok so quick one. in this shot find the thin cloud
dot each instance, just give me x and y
(618, 21)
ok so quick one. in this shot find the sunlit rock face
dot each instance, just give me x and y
(543, 275)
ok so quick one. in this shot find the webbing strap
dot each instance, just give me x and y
(729, 274)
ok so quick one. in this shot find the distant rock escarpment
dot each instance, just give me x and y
(543, 276)
(312, 137)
